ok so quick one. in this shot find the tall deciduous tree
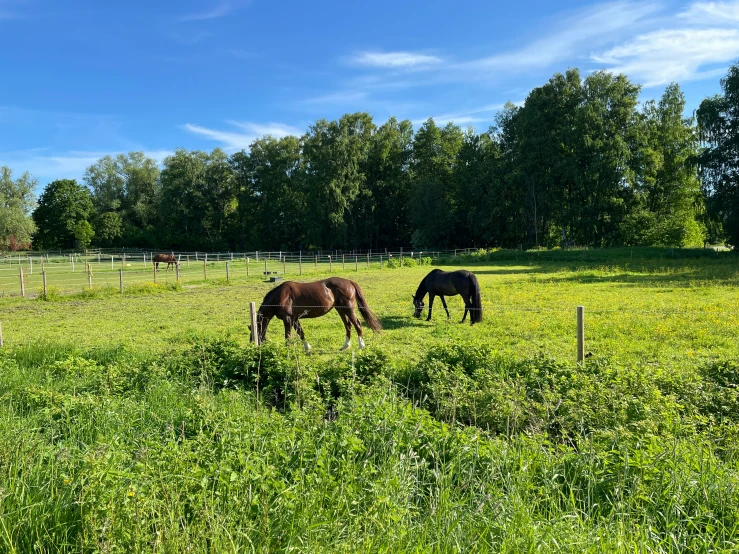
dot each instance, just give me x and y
(336, 159)
(433, 200)
(126, 185)
(16, 204)
(62, 216)
(718, 122)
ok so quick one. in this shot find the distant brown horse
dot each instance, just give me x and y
(162, 258)
(293, 301)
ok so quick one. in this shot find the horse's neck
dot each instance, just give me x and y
(421, 290)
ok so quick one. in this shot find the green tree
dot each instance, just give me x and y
(718, 122)
(127, 184)
(336, 169)
(83, 233)
(668, 199)
(109, 227)
(385, 210)
(433, 199)
(16, 204)
(198, 200)
(271, 194)
(62, 206)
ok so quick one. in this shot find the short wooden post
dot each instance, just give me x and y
(580, 333)
(89, 277)
(30, 259)
(99, 258)
(380, 261)
(330, 265)
(227, 275)
(144, 260)
(43, 276)
(284, 266)
(188, 260)
(23, 285)
(120, 280)
(342, 261)
(155, 272)
(205, 271)
(300, 263)
(247, 266)
(356, 263)
(123, 260)
(265, 267)
(315, 262)
(401, 256)
(254, 329)
(72, 265)
(112, 267)
(177, 271)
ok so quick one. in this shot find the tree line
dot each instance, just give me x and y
(581, 163)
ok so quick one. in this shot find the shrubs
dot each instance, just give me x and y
(407, 261)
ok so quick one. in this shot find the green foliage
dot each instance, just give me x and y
(62, 214)
(718, 121)
(83, 233)
(16, 204)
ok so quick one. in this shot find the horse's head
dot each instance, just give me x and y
(418, 305)
(264, 316)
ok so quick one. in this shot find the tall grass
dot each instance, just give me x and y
(227, 448)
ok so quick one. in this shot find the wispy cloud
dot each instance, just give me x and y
(48, 165)
(395, 60)
(214, 12)
(476, 115)
(341, 98)
(232, 141)
(673, 55)
(704, 13)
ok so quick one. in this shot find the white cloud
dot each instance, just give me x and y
(219, 10)
(395, 60)
(594, 26)
(711, 12)
(232, 141)
(673, 55)
(476, 115)
(48, 165)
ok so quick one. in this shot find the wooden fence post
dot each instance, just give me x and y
(284, 266)
(112, 267)
(23, 285)
(315, 262)
(330, 264)
(380, 261)
(300, 264)
(30, 259)
(254, 329)
(154, 265)
(356, 263)
(247, 266)
(120, 280)
(177, 271)
(205, 272)
(580, 333)
(43, 276)
(265, 267)
(343, 256)
(89, 277)
(227, 275)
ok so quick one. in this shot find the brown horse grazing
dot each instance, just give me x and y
(292, 301)
(162, 258)
(450, 283)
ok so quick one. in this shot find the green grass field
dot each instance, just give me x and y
(144, 421)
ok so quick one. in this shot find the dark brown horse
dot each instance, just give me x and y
(450, 283)
(293, 301)
(162, 258)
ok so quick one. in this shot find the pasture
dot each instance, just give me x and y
(145, 421)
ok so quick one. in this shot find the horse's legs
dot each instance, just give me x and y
(342, 310)
(466, 309)
(431, 305)
(288, 327)
(443, 303)
(299, 329)
(358, 326)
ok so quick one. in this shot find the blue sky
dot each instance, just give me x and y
(81, 79)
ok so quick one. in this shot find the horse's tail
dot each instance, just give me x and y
(369, 318)
(476, 311)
